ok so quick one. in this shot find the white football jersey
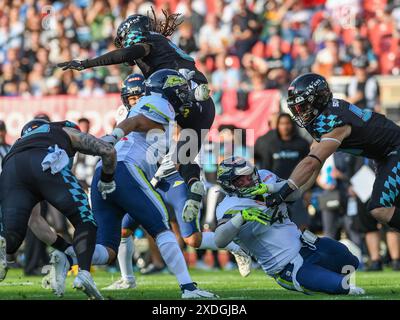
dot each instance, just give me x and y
(145, 149)
(274, 245)
(121, 114)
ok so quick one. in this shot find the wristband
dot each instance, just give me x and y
(292, 182)
(285, 191)
(118, 133)
(106, 177)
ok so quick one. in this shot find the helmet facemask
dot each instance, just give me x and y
(303, 111)
(239, 179)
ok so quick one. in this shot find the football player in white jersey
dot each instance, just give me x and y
(173, 190)
(148, 127)
(297, 261)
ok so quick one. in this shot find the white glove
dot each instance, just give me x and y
(106, 188)
(187, 73)
(109, 139)
(202, 92)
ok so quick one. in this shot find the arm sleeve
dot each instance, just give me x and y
(227, 231)
(117, 56)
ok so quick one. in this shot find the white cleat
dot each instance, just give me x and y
(85, 283)
(197, 294)
(46, 282)
(193, 203)
(243, 261)
(122, 284)
(3, 259)
(58, 272)
(356, 291)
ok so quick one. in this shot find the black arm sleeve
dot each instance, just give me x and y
(117, 56)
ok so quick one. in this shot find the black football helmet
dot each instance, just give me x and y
(171, 85)
(308, 97)
(132, 86)
(32, 125)
(132, 30)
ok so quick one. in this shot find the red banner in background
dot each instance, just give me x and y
(16, 111)
(101, 111)
(262, 104)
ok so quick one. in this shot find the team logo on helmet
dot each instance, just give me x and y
(173, 81)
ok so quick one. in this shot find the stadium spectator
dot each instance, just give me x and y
(304, 60)
(225, 77)
(4, 146)
(280, 150)
(245, 29)
(363, 89)
(186, 39)
(91, 86)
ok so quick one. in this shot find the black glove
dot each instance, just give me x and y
(73, 65)
(275, 199)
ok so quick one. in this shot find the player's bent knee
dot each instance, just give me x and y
(383, 215)
(193, 240)
(112, 255)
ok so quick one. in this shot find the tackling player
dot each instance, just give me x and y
(298, 261)
(143, 41)
(336, 124)
(36, 169)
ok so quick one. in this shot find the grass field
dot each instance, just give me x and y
(227, 284)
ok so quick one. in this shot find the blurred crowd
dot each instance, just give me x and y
(238, 44)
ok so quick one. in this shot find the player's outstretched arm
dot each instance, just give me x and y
(307, 170)
(88, 144)
(139, 123)
(305, 173)
(118, 56)
(227, 230)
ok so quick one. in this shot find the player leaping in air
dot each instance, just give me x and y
(142, 40)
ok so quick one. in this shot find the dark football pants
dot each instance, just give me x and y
(23, 184)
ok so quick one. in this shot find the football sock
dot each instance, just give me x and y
(173, 257)
(125, 253)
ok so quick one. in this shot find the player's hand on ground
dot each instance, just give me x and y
(106, 188)
(73, 65)
(255, 214)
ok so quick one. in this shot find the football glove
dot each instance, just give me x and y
(275, 199)
(73, 65)
(255, 214)
(106, 188)
(261, 189)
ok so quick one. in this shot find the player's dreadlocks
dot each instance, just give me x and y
(166, 26)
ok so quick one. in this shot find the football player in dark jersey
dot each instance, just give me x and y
(38, 168)
(336, 124)
(143, 41)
